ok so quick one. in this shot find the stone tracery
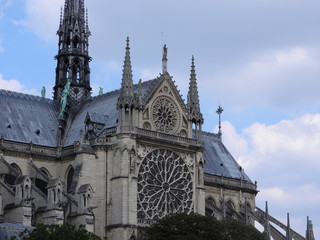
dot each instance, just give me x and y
(165, 115)
(164, 185)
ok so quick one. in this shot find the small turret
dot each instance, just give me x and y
(127, 100)
(195, 115)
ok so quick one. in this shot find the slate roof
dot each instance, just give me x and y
(219, 161)
(26, 118)
(106, 104)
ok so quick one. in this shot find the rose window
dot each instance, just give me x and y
(164, 185)
(165, 115)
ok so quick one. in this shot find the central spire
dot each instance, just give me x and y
(73, 58)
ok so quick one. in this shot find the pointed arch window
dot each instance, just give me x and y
(69, 179)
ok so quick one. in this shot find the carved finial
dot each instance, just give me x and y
(219, 112)
(164, 59)
(61, 17)
(87, 22)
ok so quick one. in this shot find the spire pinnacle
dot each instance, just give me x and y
(126, 98)
(193, 97)
(219, 112)
(288, 228)
(127, 82)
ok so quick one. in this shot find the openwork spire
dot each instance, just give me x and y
(193, 97)
(73, 58)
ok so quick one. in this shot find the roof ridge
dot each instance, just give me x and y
(24, 96)
(135, 86)
(210, 134)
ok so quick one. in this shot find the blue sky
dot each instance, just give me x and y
(259, 59)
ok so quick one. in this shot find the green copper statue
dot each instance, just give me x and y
(100, 91)
(43, 92)
(63, 100)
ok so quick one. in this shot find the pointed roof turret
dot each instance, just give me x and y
(193, 97)
(126, 91)
(127, 82)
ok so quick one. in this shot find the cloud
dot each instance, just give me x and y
(15, 85)
(284, 159)
(42, 18)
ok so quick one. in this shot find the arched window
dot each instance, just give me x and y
(69, 179)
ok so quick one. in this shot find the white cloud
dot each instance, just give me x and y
(284, 159)
(42, 18)
(15, 85)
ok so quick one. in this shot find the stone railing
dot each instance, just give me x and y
(220, 180)
(164, 136)
(27, 148)
(152, 134)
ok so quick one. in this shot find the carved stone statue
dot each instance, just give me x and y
(100, 91)
(63, 100)
(43, 92)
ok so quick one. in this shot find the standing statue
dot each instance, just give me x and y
(43, 92)
(165, 53)
(63, 100)
(100, 90)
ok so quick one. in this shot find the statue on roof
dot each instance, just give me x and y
(63, 100)
(43, 92)
(100, 91)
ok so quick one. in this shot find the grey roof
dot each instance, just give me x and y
(219, 161)
(105, 104)
(97, 118)
(26, 118)
(8, 230)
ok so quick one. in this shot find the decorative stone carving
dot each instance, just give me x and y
(164, 185)
(165, 115)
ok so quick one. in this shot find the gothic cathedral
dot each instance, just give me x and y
(117, 161)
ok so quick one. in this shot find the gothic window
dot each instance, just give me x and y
(165, 115)
(164, 185)
(69, 179)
